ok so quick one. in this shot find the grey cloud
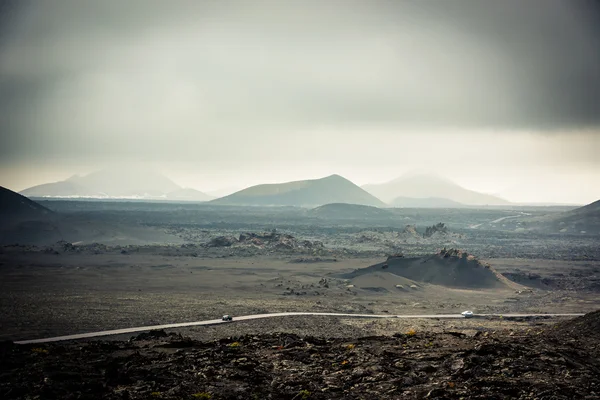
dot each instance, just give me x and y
(78, 76)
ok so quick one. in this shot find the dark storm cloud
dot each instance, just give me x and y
(138, 78)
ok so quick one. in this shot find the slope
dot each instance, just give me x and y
(307, 193)
(584, 219)
(25, 221)
(423, 186)
(15, 207)
(451, 268)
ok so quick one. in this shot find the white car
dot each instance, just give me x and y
(467, 314)
(227, 318)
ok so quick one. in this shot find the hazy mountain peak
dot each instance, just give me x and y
(424, 185)
(74, 177)
(115, 182)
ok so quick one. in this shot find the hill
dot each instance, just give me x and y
(587, 326)
(25, 221)
(125, 183)
(15, 208)
(426, 186)
(307, 193)
(584, 219)
(429, 202)
(451, 268)
(349, 211)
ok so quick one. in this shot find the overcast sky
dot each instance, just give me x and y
(500, 96)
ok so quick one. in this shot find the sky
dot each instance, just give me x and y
(500, 96)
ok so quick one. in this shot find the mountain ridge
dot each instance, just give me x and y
(309, 192)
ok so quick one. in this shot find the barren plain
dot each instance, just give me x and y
(197, 263)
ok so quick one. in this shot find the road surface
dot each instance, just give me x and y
(272, 315)
(522, 214)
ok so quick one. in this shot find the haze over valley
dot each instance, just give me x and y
(414, 189)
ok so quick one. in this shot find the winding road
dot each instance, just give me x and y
(273, 315)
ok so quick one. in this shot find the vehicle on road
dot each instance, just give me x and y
(467, 314)
(227, 317)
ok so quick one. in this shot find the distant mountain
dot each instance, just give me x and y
(429, 202)
(188, 194)
(424, 186)
(349, 211)
(60, 189)
(125, 183)
(584, 219)
(307, 193)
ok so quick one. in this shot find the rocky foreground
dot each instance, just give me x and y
(561, 362)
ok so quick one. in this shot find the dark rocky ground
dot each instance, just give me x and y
(556, 362)
(144, 264)
(204, 230)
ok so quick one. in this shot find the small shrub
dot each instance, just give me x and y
(156, 394)
(235, 344)
(39, 350)
(411, 332)
(351, 346)
(202, 395)
(430, 230)
(302, 395)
